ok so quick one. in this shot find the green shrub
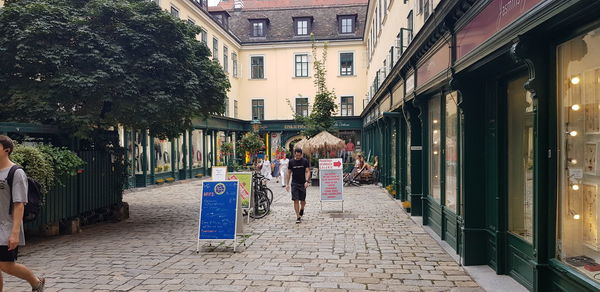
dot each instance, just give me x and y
(46, 164)
(65, 162)
(36, 164)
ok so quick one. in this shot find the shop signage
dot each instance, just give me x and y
(416, 148)
(219, 173)
(438, 62)
(331, 179)
(398, 94)
(218, 211)
(386, 104)
(295, 127)
(410, 83)
(496, 16)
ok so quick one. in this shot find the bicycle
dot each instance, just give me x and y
(261, 183)
(262, 201)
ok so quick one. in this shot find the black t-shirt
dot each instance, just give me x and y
(298, 168)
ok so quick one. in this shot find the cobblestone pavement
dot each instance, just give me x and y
(375, 247)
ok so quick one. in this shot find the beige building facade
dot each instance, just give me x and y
(280, 82)
(391, 27)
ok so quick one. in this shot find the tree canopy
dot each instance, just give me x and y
(86, 64)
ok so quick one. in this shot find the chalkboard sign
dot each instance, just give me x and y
(218, 210)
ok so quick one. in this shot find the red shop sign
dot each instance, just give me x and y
(496, 16)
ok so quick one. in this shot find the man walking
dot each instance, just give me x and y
(11, 225)
(299, 173)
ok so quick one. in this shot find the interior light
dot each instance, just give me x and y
(435, 152)
(573, 161)
(576, 217)
(575, 107)
(575, 80)
(435, 121)
(435, 131)
(575, 187)
(573, 133)
(435, 142)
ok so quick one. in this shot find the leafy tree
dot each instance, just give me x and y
(321, 117)
(251, 142)
(89, 64)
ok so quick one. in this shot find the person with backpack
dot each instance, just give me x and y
(13, 197)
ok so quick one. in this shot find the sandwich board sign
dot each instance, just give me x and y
(218, 212)
(331, 176)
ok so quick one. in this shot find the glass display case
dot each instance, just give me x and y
(197, 149)
(578, 92)
(162, 155)
(434, 148)
(451, 150)
(520, 123)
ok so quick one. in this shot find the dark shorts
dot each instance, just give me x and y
(298, 192)
(8, 256)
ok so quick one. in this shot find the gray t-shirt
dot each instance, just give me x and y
(19, 194)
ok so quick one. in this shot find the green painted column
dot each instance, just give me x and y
(402, 161)
(204, 152)
(173, 158)
(424, 157)
(190, 154)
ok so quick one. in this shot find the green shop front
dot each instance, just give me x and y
(506, 97)
(153, 160)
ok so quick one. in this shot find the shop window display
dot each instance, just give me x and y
(578, 92)
(138, 152)
(180, 153)
(520, 123)
(197, 148)
(451, 154)
(209, 150)
(434, 148)
(162, 155)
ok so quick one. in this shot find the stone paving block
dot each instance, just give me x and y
(380, 248)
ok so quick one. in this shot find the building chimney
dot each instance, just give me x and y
(238, 5)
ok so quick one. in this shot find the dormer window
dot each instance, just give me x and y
(222, 17)
(302, 26)
(346, 24)
(259, 27)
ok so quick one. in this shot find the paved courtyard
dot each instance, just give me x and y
(374, 246)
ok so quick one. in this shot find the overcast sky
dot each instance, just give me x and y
(212, 2)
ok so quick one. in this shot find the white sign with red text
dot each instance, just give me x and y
(334, 163)
(331, 176)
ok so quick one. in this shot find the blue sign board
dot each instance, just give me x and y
(218, 210)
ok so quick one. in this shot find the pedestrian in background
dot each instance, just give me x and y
(11, 225)
(276, 165)
(283, 170)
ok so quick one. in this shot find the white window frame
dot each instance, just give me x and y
(173, 7)
(308, 65)
(307, 105)
(353, 104)
(264, 67)
(340, 63)
(252, 108)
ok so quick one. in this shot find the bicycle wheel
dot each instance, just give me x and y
(269, 194)
(263, 208)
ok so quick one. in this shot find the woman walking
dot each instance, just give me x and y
(283, 168)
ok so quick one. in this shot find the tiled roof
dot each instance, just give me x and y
(275, 4)
(281, 24)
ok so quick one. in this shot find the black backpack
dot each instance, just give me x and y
(34, 196)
